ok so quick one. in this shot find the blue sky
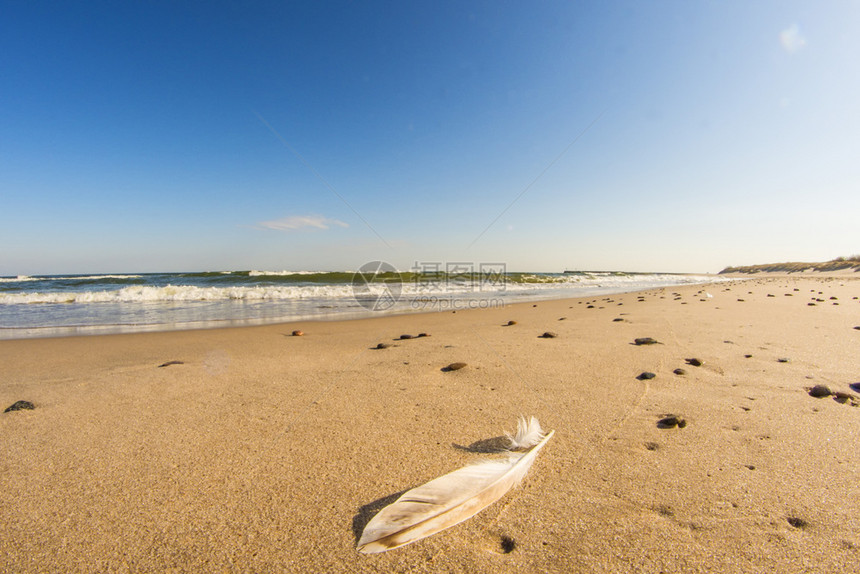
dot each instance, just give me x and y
(672, 136)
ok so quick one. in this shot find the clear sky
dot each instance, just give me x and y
(670, 136)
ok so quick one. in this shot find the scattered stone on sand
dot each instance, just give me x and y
(455, 367)
(510, 323)
(680, 372)
(420, 335)
(20, 406)
(695, 362)
(508, 544)
(646, 341)
(404, 337)
(168, 363)
(783, 360)
(811, 304)
(797, 522)
(672, 421)
(857, 327)
(562, 318)
(383, 345)
(652, 446)
(549, 335)
(646, 375)
(298, 333)
(590, 307)
(617, 320)
(843, 397)
(747, 356)
(820, 391)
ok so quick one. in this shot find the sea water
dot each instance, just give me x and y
(60, 305)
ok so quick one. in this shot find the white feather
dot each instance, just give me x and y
(528, 434)
(452, 498)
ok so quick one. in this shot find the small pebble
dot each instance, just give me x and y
(168, 363)
(20, 406)
(383, 345)
(404, 337)
(820, 391)
(617, 320)
(645, 341)
(455, 366)
(783, 360)
(549, 335)
(298, 333)
(509, 323)
(747, 356)
(672, 421)
(695, 362)
(423, 335)
(645, 376)
(680, 372)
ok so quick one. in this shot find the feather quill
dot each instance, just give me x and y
(454, 497)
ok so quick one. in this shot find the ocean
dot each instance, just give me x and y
(62, 305)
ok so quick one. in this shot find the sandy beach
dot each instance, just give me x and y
(259, 451)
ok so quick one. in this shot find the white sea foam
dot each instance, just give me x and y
(173, 293)
(18, 279)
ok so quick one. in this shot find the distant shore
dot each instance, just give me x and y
(255, 449)
(843, 265)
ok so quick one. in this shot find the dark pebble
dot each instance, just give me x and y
(509, 323)
(646, 341)
(508, 544)
(797, 522)
(590, 307)
(820, 391)
(168, 363)
(783, 360)
(811, 304)
(842, 396)
(455, 366)
(645, 376)
(747, 356)
(680, 372)
(20, 406)
(404, 337)
(423, 335)
(617, 319)
(298, 333)
(857, 327)
(549, 335)
(695, 362)
(383, 345)
(671, 421)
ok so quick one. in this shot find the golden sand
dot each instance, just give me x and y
(267, 452)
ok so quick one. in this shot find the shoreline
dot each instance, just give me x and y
(262, 451)
(452, 301)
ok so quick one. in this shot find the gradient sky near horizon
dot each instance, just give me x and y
(639, 136)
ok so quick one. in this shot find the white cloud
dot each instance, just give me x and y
(792, 40)
(299, 221)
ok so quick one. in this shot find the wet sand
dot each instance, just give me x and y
(260, 451)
